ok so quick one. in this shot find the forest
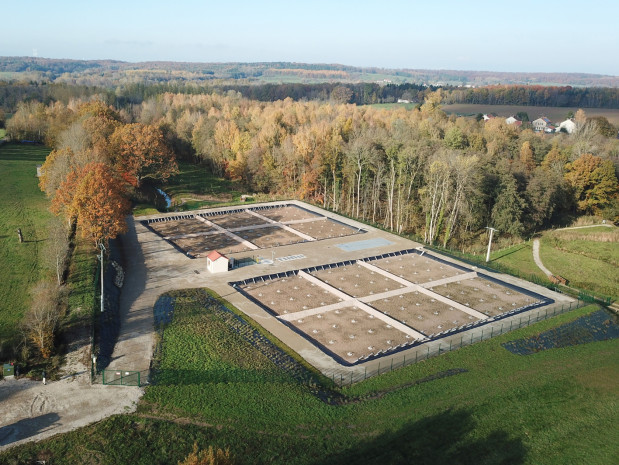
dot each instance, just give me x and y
(417, 171)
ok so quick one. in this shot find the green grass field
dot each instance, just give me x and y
(2, 133)
(195, 187)
(587, 258)
(214, 388)
(22, 205)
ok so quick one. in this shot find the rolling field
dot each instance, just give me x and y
(555, 114)
(22, 205)
(220, 382)
(588, 258)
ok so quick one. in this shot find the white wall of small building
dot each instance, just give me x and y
(218, 266)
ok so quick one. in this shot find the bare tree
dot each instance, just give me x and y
(57, 247)
(42, 319)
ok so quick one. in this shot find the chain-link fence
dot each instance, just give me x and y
(348, 376)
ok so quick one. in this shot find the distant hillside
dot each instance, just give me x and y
(108, 73)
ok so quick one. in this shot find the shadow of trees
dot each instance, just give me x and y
(445, 438)
(26, 428)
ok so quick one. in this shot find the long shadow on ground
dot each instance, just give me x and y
(440, 439)
(26, 428)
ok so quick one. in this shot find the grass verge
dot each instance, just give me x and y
(24, 206)
(554, 407)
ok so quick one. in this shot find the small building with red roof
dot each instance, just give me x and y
(216, 262)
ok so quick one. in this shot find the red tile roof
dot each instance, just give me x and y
(214, 255)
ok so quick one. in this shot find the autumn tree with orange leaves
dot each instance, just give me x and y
(139, 151)
(94, 198)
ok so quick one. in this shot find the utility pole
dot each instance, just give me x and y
(489, 243)
(102, 249)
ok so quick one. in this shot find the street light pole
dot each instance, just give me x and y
(102, 249)
(489, 243)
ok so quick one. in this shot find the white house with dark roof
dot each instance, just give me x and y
(540, 124)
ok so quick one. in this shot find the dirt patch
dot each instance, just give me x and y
(177, 227)
(417, 269)
(325, 229)
(357, 281)
(350, 333)
(270, 237)
(422, 313)
(235, 220)
(290, 295)
(287, 213)
(201, 246)
(39, 411)
(484, 296)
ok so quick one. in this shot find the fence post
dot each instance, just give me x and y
(365, 374)
(501, 327)
(138, 379)
(450, 345)
(461, 337)
(491, 331)
(379, 367)
(404, 363)
(392, 364)
(471, 337)
(482, 334)
(428, 354)
(415, 356)
(439, 348)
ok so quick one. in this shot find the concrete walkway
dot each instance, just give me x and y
(538, 260)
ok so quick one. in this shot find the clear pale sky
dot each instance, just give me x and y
(494, 35)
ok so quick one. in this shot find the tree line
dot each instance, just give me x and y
(135, 93)
(98, 162)
(441, 178)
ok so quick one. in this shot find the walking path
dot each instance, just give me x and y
(538, 261)
(604, 225)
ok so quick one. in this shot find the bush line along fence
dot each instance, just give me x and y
(346, 378)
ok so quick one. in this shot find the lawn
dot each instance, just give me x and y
(196, 187)
(2, 133)
(588, 258)
(22, 205)
(219, 385)
(520, 259)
